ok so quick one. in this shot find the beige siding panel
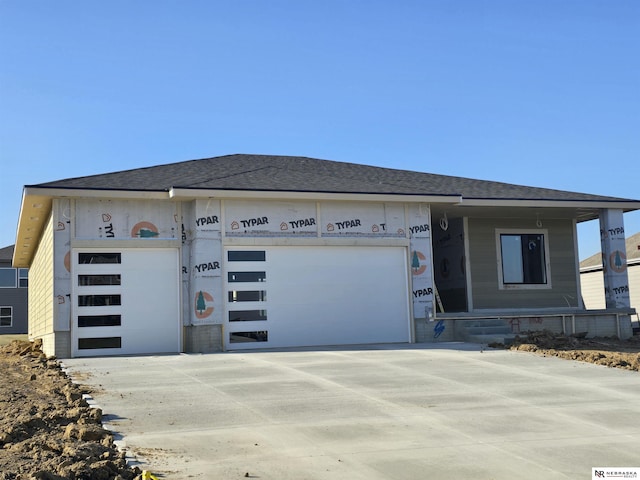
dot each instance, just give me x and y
(592, 285)
(484, 266)
(634, 286)
(41, 291)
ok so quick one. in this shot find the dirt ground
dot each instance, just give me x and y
(609, 352)
(47, 429)
(49, 432)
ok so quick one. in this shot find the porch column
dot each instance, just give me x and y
(614, 259)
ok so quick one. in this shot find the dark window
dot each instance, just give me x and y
(84, 280)
(85, 258)
(246, 255)
(23, 277)
(98, 300)
(247, 296)
(99, 320)
(243, 337)
(246, 277)
(103, 342)
(247, 315)
(523, 259)
(6, 316)
(7, 278)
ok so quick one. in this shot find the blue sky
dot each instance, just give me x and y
(543, 93)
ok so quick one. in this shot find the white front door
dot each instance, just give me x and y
(125, 301)
(306, 296)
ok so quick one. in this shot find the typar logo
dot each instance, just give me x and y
(618, 261)
(204, 304)
(144, 230)
(67, 261)
(418, 265)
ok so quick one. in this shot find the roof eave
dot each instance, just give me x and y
(35, 210)
(620, 204)
(81, 192)
(182, 193)
(584, 210)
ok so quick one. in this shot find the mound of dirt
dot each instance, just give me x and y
(610, 352)
(47, 429)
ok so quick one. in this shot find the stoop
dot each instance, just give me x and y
(487, 331)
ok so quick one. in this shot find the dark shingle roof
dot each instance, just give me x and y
(6, 253)
(302, 174)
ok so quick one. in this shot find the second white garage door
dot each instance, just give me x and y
(310, 296)
(125, 301)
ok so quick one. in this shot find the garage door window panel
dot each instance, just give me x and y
(247, 315)
(99, 258)
(246, 277)
(249, 337)
(246, 255)
(247, 296)
(99, 280)
(99, 321)
(99, 343)
(99, 300)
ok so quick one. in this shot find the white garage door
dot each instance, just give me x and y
(305, 296)
(125, 301)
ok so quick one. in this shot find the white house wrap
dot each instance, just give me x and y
(420, 262)
(614, 259)
(263, 251)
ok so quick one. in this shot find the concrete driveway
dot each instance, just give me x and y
(449, 411)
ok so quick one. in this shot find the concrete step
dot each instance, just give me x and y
(489, 322)
(488, 329)
(506, 339)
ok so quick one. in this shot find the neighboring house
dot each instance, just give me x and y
(259, 251)
(592, 276)
(13, 295)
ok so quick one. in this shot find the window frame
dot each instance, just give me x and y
(10, 316)
(499, 259)
(23, 274)
(15, 277)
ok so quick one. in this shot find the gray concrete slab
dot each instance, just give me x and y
(385, 412)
